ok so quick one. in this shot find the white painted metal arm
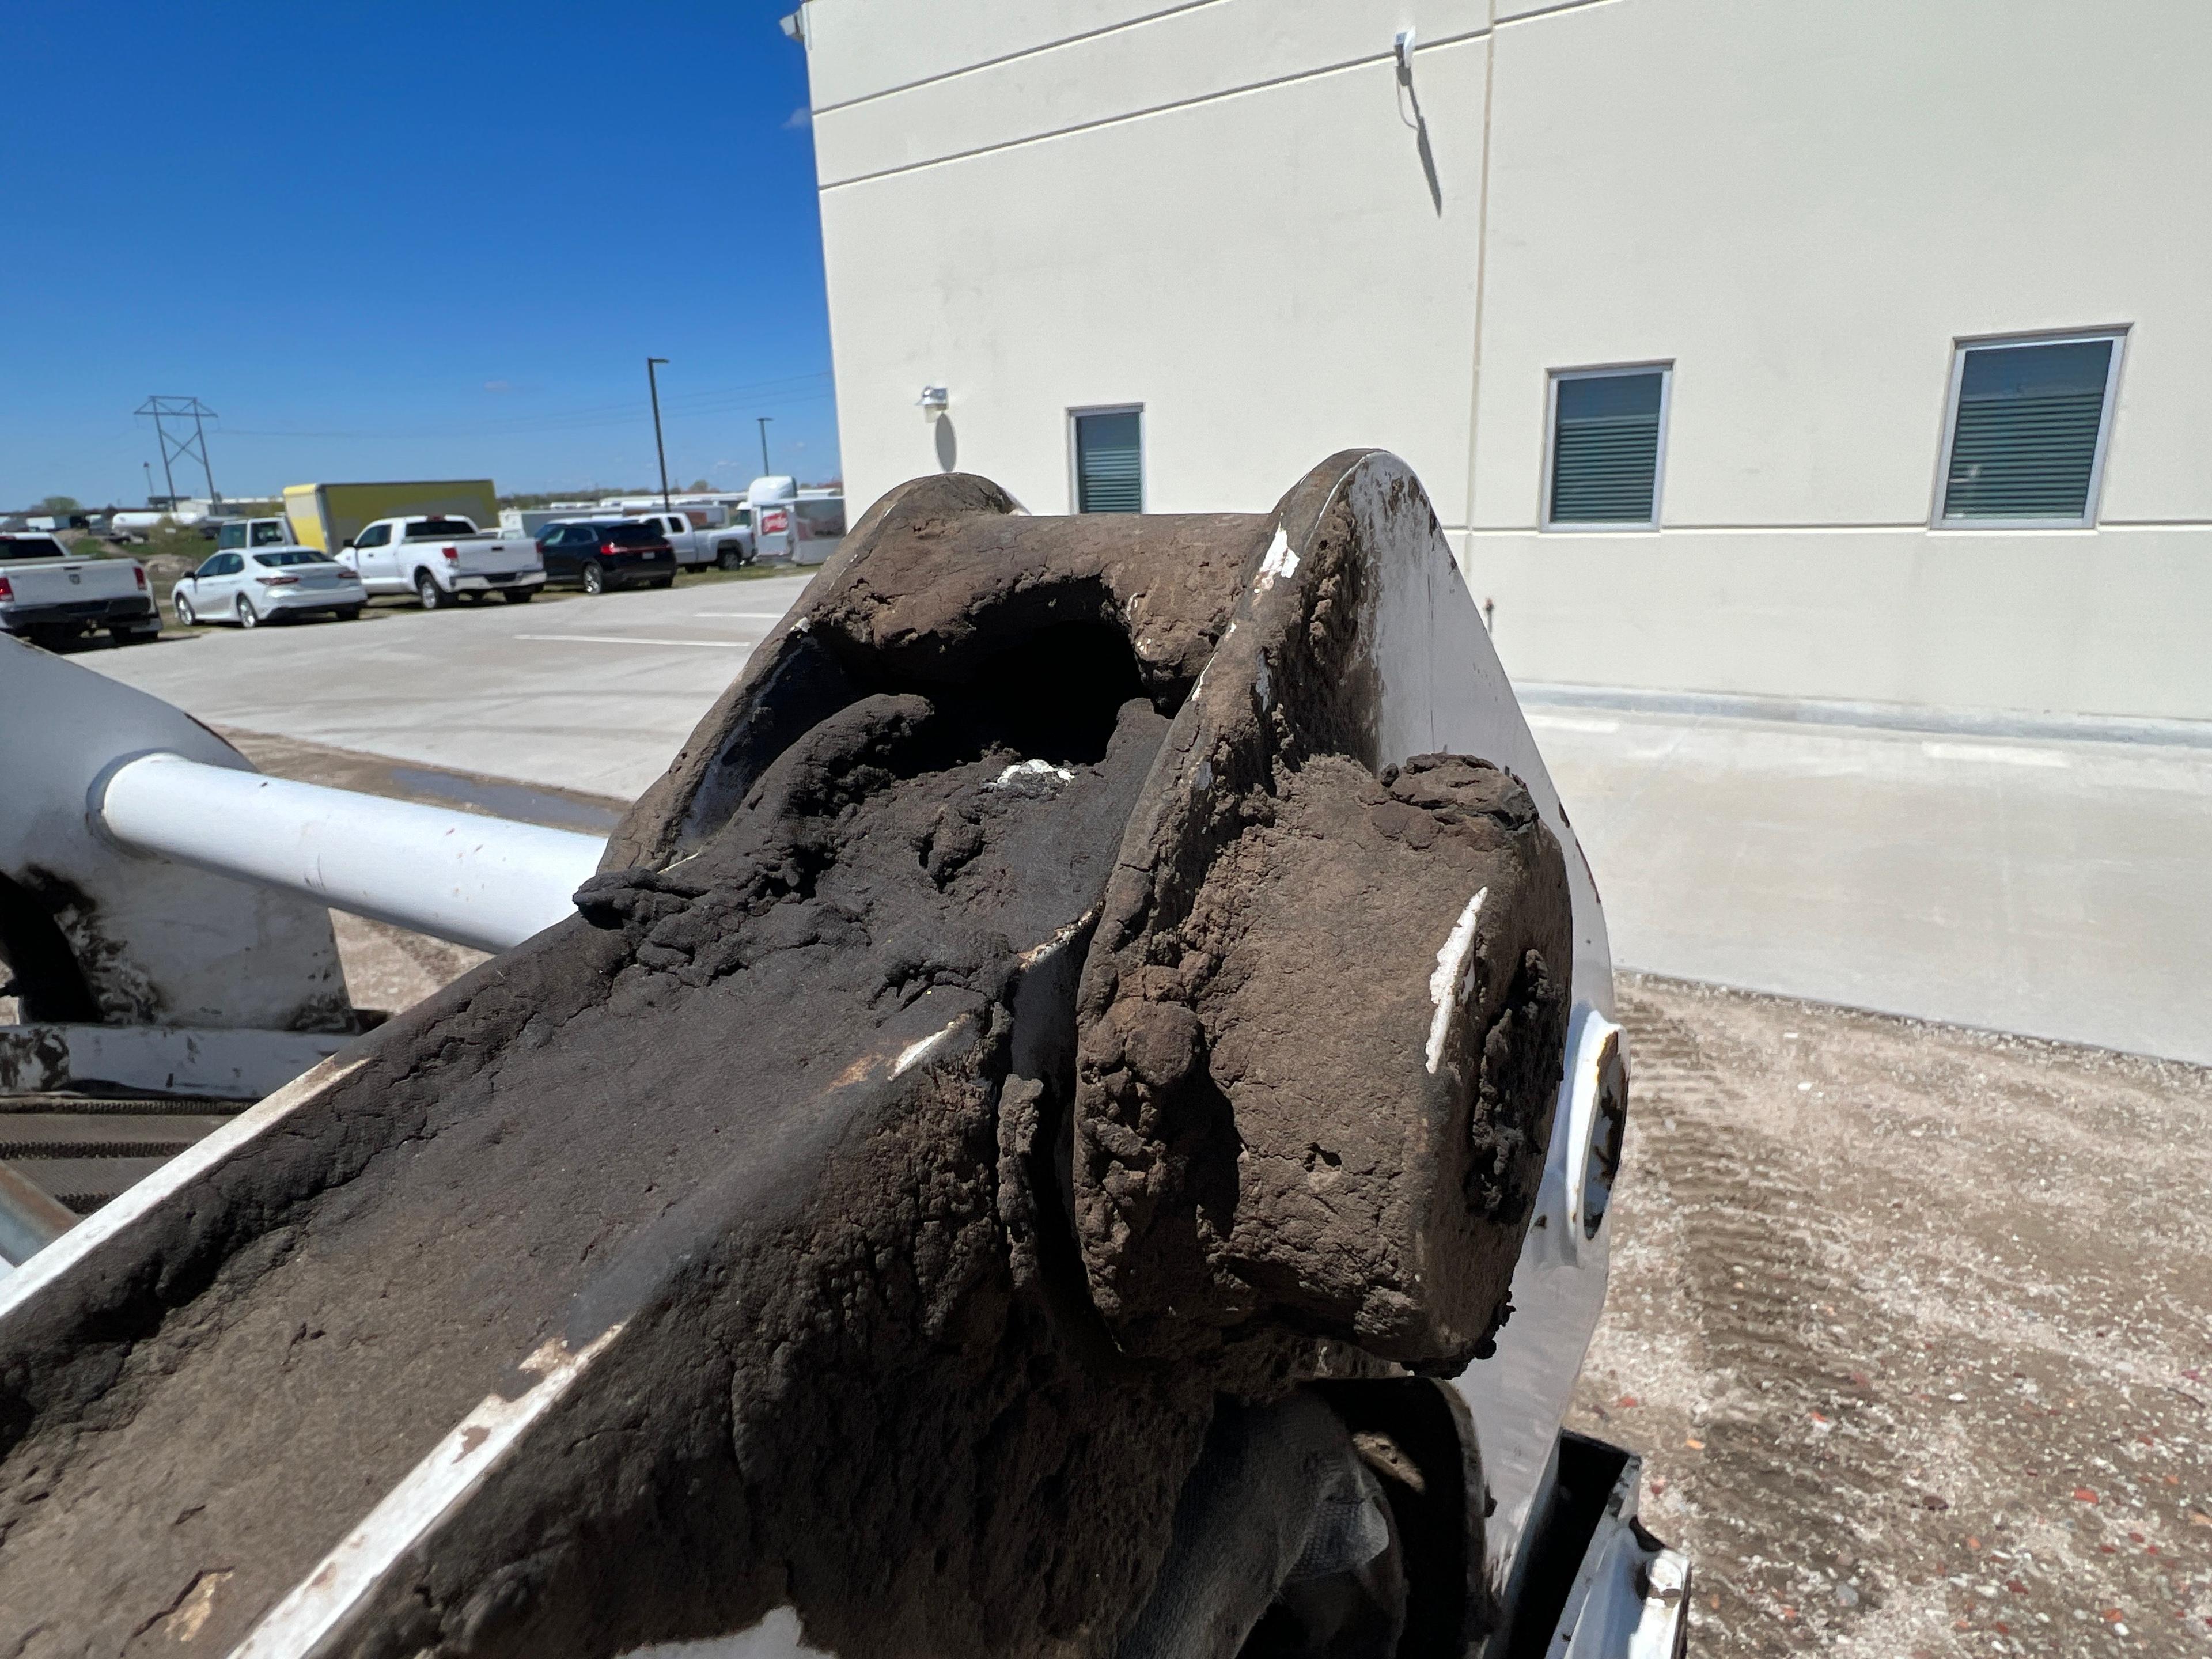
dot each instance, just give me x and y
(484, 882)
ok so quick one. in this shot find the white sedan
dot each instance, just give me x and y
(267, 584)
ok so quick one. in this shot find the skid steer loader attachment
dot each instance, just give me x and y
(1030, 1106)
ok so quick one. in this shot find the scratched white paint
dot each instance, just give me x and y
(1199, 684)
(1029, 768)
(1448, 982)
(914, 1052)
(1280, 561)
(1037, 953)
(428, 1492)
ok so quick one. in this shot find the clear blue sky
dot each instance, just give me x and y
(408, 239)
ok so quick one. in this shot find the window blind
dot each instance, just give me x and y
(1109, 463)
(2024, 436)
(1605, 448)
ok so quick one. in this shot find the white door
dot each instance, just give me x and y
(219, 589)
(374, 558)
(201, 588)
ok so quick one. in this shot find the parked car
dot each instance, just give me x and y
(696, 545)
(726, 516)
(702, 533)
(255, 532)
(741, 525)
(440, 558)
(267, 584)
(597, 553)
(50, 595)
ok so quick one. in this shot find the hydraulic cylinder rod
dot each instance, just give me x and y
(483, 881)
(30, 1219)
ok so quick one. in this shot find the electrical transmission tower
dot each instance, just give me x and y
(191, 446)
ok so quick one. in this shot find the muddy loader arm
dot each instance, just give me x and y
(1076, 1118)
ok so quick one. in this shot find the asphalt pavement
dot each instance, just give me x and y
(2038, 883)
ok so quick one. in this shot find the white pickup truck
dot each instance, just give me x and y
(50, 595)
(440, 558)
(696, 546)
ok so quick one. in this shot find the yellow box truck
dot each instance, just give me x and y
(329, 515)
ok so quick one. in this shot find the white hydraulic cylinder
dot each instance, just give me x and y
(483, 881)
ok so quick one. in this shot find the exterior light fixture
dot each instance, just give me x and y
(933, 400)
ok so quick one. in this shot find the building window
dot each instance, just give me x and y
(1110, 460)
(2025, 443)
(1609, 434)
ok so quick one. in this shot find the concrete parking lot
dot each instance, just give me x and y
(569, 692)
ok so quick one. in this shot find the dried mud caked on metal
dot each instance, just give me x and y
(1013, 1025)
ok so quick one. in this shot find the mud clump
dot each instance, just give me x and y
(1325, 1016)
(1318, 1100)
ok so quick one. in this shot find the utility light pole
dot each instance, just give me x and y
(764, 420)
(653, 385)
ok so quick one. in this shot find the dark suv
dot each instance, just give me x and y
(597, 553)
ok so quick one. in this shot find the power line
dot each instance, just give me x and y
(721, 400)
(456, 434)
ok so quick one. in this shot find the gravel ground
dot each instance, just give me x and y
(388, 968)
(1913, 1325)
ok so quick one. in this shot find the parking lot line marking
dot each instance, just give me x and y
(635, 639)
(2001, 754)
(1542, 722)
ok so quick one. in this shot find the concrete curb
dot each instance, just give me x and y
(1884, 716)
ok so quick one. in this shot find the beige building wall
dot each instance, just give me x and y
(1231, 213)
